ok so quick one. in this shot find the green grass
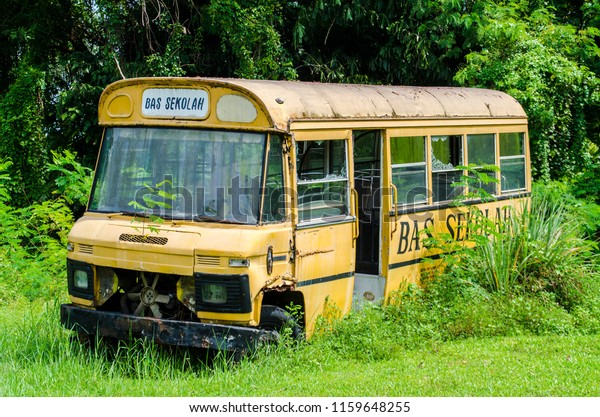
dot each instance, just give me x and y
(539, 335)
(39, 358)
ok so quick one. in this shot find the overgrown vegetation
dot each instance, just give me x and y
(34, 238)
(536, 274)
(551, 304)
(39, 359)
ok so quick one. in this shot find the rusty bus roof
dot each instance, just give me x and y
(285, 102)
(295, 100)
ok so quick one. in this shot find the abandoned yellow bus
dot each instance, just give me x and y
(217, 203)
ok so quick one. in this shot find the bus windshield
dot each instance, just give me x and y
(180, 174)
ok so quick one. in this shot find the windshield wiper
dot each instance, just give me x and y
(132, 213)
(204, 217)
(177, 216)
(123, 213)
(135, 213)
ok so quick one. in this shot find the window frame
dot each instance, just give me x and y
(477, 166)
(282, 199)
(522, 157)
(424, 164)
(324, 217)
(461, 138)
(113, 162)
(464, 132)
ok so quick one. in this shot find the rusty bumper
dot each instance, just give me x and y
(168, 332)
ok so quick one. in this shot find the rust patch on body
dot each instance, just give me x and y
(301, 254)
(281, 283)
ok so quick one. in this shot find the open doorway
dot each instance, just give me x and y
(367, 182)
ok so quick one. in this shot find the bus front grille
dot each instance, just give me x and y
(153, 240)
(208, 260)
(87, 249)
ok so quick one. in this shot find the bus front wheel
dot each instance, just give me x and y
(277, 319)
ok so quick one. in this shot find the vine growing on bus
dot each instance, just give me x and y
(472, 183)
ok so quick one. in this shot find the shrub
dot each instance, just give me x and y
(538, 251)
(580, 197)
(34, 238)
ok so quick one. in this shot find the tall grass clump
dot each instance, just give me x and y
(538, 250)
(40, 358)
(542, 248)
(536, 262)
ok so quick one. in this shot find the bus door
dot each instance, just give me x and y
(369, 282)
(326, 226)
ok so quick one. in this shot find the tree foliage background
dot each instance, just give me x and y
(56, 56)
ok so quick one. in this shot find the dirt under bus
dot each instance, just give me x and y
(217, 203)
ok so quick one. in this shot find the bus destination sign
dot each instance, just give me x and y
(175, 102)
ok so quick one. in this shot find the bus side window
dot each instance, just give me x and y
(274, 199)
(512, 161)
(322, 179)
(409, 173)
(481, 150)
(446, 155)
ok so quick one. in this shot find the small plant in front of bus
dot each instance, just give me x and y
(296, 311)
(331, 315)
(154, 198)
(501, 263)
(487, 255)
(444, 251)
(472, 183)
(447, 252)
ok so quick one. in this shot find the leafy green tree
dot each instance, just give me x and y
(56, 56)
(49, 91)
(377, 41)
(23, 136)
(33, 239)
(538, 61)
(249, 37)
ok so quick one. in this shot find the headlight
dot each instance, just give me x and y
(80, 279)
(214, 293)
(222, 293)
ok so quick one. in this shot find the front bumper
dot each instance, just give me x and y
(167, 332)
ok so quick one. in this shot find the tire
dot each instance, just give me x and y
(277, 319)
